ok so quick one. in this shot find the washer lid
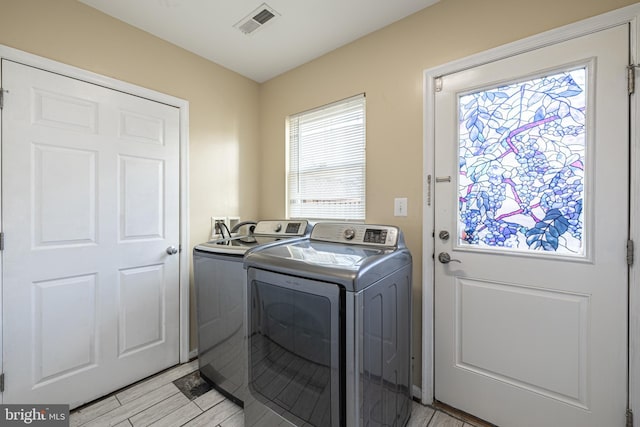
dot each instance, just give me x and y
(238, 244)
(234, 245)
(265, 231)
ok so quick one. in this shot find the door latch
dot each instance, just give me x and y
(445, 258)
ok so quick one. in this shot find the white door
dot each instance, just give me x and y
(90, 205)
(532, 186)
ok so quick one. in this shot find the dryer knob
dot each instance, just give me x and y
(349, 233)
(277, 227)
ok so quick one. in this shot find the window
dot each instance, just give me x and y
(522, 150)
(326, 177)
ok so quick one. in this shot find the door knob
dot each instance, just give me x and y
(445, 258)
(172, 250)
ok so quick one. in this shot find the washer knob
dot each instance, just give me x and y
(277, 227)
(349, 233)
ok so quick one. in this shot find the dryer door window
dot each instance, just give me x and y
(294, 342)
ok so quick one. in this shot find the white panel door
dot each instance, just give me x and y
(532, 188)
(90, 205)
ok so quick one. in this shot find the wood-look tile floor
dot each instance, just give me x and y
(158, 402)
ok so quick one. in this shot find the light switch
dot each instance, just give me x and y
(400, 206)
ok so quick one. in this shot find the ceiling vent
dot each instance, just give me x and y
(256, 19)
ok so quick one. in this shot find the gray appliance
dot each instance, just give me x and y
(329, 329)
(220, 286)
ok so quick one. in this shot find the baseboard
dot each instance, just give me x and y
(417, 393)
(193, 354)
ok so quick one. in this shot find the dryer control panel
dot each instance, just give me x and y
(356, 234)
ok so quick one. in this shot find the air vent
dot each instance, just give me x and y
(256, 19)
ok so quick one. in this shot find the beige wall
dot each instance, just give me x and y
(233, 118)
(388, 66)
(223, 105)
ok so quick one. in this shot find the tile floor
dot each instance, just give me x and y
(158, 401)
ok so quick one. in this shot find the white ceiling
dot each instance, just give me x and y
(301, 31)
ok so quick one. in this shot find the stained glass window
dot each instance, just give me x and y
(522, 157)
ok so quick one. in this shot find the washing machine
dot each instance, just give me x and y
(220, 284)
(329, 329)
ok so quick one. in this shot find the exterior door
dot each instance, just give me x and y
(532, 158)
(90, 204)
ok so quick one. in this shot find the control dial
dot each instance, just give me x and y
(349, 233)
(277, 227)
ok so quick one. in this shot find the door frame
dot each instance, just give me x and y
(627, 15)
(183, 107)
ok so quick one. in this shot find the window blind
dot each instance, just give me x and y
(326, 177)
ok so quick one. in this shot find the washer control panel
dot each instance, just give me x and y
(281, 228)
(356, 234)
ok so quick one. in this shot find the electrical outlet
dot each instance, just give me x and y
(400, 206)
(232, 221)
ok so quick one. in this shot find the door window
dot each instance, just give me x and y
(521, 164)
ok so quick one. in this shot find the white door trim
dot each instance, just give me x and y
(183, 106)
(629, 15)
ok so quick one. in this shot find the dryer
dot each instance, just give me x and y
(329, 329)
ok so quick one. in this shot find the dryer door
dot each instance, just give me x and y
(295, 361)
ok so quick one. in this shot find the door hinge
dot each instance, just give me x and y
(1, 382)
(631, 78)
(438, 84)
(630, 251)
(2, 92)
(1, 241)
(629, 418)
